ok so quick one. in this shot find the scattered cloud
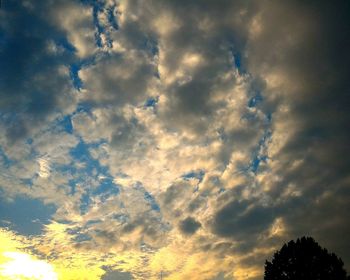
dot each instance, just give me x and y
(147, 138)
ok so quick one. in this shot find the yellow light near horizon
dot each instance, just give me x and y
(23, 266)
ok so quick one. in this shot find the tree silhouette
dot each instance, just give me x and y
(304, 260)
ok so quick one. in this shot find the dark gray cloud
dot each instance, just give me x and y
(189, 225)
(33, 81)
(239, 219)
(308, 49)
(117, 275)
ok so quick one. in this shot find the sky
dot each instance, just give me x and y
(181, 139)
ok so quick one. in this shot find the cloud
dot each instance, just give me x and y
(176, 137)
(309, 123)
(77, 22)
(237, 219)
(189, 225)
(35, 84)
(117, 275)
(118, 79)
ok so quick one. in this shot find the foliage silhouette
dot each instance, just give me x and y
(304, 260)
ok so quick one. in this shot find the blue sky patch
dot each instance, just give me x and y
(66, 123)
(4, 160)
(151, 200)
(26, 215)
(255, 100)
(91, 168)
(151, 102)
(112, 18)
(106, 188)
(85, 203)
(194, 174)
(74, 75)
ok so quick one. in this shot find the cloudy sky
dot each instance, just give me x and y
(187, 138)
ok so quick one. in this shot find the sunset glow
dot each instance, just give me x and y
(22, 266)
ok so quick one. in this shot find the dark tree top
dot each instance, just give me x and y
(304, 260)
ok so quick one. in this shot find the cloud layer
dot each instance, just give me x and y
(173, 137)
